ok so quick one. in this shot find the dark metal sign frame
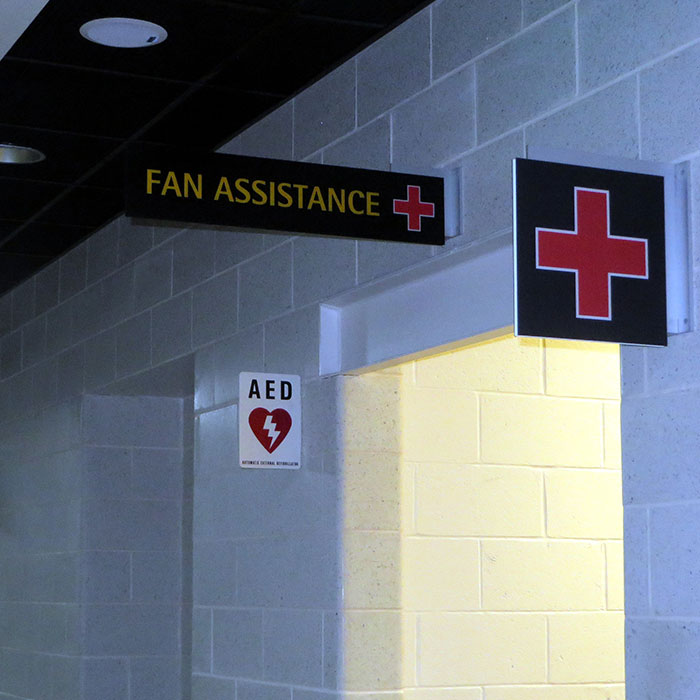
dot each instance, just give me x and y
(278, 195)
(590, 259)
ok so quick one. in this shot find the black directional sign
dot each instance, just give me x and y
(278, 195)
(590, 256)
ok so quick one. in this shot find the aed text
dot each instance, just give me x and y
(272, 391)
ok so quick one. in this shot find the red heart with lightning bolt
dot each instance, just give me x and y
(270, 427)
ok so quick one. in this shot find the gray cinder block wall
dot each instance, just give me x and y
(91, 551)
(40, 554)
(132, 597)
(464, 84)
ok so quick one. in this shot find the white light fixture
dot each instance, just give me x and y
(123, 32)
(18, 155)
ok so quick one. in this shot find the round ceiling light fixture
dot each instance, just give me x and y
(19, 155)
(123, 32)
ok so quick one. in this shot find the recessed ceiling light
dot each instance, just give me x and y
(123, 32)
(17, 155)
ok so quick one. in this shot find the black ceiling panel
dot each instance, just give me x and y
(209, 116)
(14, 269)
(224, 64)
(109, 174)
(79, 101)
(200, 36)
(85, 206)
(258, 4)
(297, 44)
(84, 152)
(7, 226)
(45, 240)
(379, 12)
(22, 198)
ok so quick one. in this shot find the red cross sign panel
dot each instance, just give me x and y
(414, 208)
(589, 254)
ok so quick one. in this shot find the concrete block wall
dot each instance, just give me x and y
(134, 539)
(661, 494)
(91, 583)
(371, 526)
(267, 579)
(483, 525)
(40, 503)
(513, 544)
(462, 84)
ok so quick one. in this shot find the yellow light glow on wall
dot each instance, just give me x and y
(483, 525)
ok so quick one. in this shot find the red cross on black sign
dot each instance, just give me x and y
(592, 253)
(590, 259)
(414, 208)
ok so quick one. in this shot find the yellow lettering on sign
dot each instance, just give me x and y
(316, 199)
(241, 189)
(224, 189)
(151, 179)
(195, 187)
(333, 198)
(372, 202)
(260, 192)
(283, 191)
(351, 201)
(271, 193)
(300, 190)
(171, 183)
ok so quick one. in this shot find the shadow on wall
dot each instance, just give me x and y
(96, 550)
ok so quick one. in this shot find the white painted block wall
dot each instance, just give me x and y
(92, 599)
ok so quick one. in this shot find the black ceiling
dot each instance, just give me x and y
(224, 65)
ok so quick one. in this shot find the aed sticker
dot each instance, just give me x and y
(269, 421)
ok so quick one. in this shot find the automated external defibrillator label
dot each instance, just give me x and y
(269, 421)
